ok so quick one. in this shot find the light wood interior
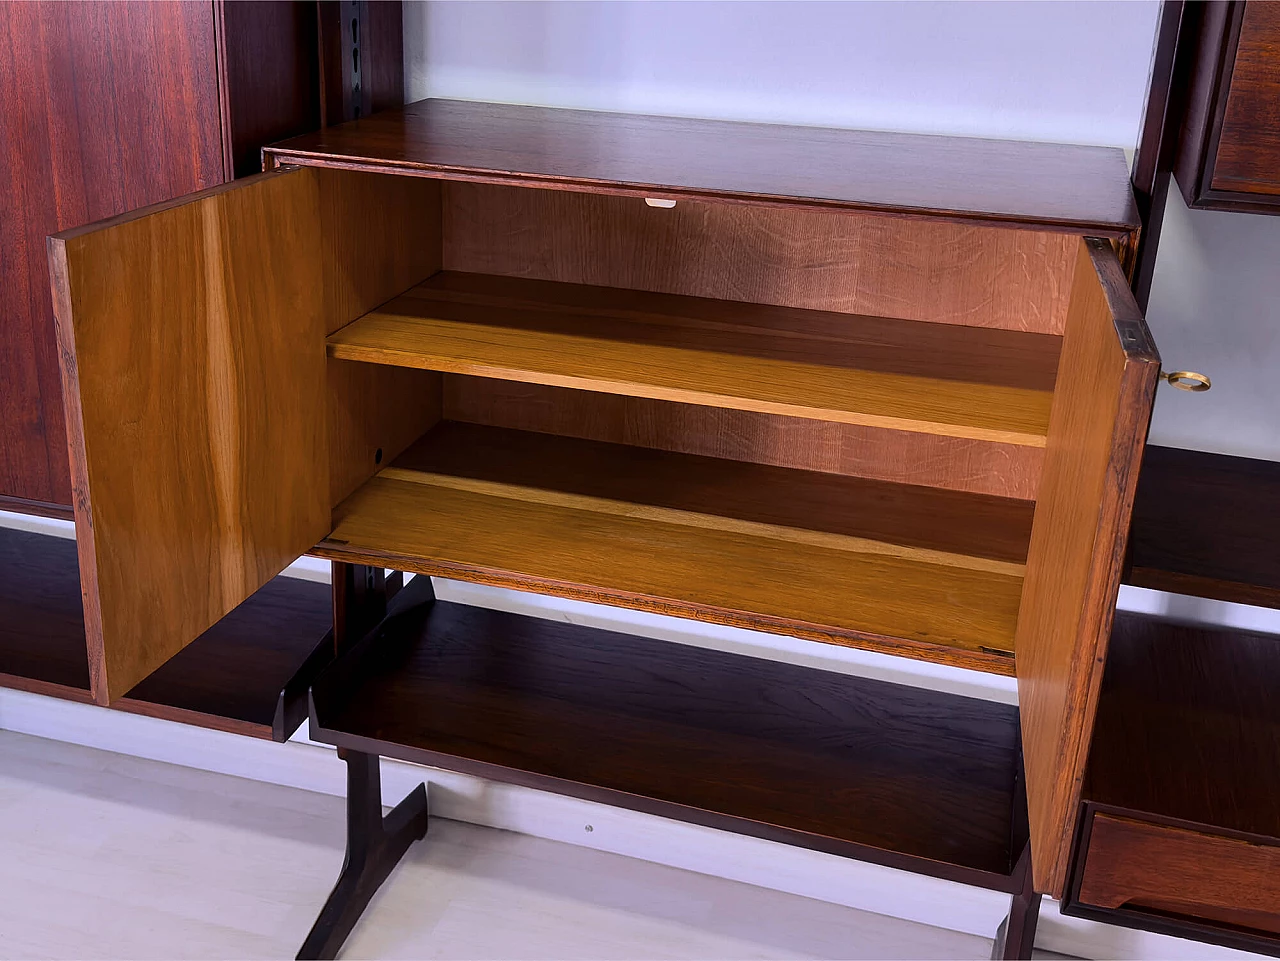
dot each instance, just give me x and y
(1096, 432)
(191, 336)
(913, 570)
(866, 371)
(880, 265)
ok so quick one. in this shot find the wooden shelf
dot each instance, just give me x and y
(247, 674)
(1188, 725)
(900, 776)
(1084, 189)
(1207, 524)
(42, 645)
(986, 384)
(913, 570)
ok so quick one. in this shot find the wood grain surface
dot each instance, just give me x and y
(1188, 725)
(1172, 871)
(826, 761)
(670, 552)
(1248, 154)
(1068, 187)
(903, 457)
(770, 360)
(191, 339)
(1101, 408)
(852, 262)
(107, 106)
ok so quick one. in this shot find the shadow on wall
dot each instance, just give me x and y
(1215, 308)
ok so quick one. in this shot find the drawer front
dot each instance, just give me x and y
(1172, 871)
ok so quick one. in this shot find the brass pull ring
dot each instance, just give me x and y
(1187, 380)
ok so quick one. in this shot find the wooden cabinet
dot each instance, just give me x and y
(876, 390)
(110, 106)
(1228, 154)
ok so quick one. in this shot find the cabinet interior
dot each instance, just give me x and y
(824, 423)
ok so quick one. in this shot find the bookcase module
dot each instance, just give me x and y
(876, 390)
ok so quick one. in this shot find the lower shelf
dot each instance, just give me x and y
(917, 571)
(248, 674)
(909, 778)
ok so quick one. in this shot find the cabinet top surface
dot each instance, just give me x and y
(1055, 186)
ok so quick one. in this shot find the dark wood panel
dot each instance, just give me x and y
(1248, 154)
(901, 457)
(42, 645)
(1069, 187)
(107, 107)
(830, 762)
(1173, 871)
(1101, 410)
(924, 517)
(250, 672)
(1207, 524)
(271, 52)
(1188, 725)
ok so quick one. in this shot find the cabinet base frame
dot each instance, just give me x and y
(375, 845)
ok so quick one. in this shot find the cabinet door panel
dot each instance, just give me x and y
(191, 340)
(1097, 429)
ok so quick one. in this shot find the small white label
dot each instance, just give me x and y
(655, 202)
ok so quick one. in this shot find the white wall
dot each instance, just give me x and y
(1073, 72)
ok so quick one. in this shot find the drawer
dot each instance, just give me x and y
(1155, 868)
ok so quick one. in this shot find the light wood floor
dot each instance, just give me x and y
(108, 856)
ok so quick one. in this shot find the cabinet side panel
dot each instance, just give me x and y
(106, 107)
(852, 262)
(1248, 158)
(192, 342)
(1097, 428)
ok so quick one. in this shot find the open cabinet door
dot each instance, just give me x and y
(191, 338)
(1097, 428)
(208, 433)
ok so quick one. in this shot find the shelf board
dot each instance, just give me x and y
(956, 381)
(1058, 186)
(42, 646)
(248, 674)
(1188, 725)
(901, 776)
(1207, 524)
(912, 570)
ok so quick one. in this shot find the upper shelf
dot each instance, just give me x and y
(973, 382)
(1055, 186)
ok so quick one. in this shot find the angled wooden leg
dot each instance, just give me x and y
(1016, 936)
(374, 846)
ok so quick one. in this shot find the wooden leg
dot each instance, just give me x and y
(1016, 936)
(374, 846)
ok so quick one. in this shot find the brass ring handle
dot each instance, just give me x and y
(1187, 380)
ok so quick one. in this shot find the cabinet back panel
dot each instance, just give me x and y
(862, 263)
(903, 457)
